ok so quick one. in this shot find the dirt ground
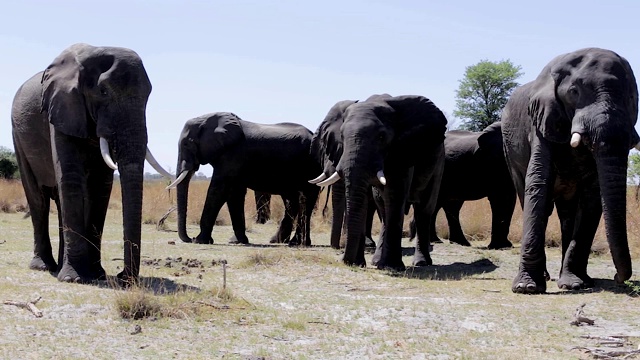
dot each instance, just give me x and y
(302, 303)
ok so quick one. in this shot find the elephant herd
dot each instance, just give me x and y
(563, 141)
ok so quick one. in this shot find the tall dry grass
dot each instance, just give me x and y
(475, 216)
(12, 197)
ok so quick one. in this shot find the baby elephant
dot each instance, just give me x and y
(271, 159)
(475, 168)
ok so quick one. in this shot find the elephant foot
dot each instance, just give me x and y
(460, 241)
(203, 239)
(369, 243)
(70, 275)
(436, 240)
(570, 281)
(241, 239)
(46, 264)
(529, 282)
(499, 244)
(360, 263)
(127, 278)
(421, 260)
(397, 265)
(98, 273)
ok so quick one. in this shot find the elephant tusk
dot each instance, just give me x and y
(154, 163)
(106, 156)
(178, 180)
(318, 179)
(381, 178)
(575, 140)
(331, 180)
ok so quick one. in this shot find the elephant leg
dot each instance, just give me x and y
(452, 211)
(432, 230)
(236, 212)
(537, 200)
(577, 238)
(295, 211)
(291, 206)
(38, 198)
(389, 251)
(308, 200)
(217, 195)
(69, 156)
(99, 184)
(371, 213)
(501, 212)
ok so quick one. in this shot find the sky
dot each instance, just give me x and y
(290, 61)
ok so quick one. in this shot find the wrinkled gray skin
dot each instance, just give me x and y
(402, 136)
(326, 147)
(57, 117)
(271, 159)
(475, 168)
(591, 92)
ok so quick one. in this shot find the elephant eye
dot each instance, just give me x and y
(573, 91)
(103, 90)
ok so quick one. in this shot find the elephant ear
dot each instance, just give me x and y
(491, 137)
(546, 110)
(227, 130)
(326, 144)
(418, 125)
(63, 88)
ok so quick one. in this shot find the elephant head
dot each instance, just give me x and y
(326, 145)
(589, 99)
(202, 141)
(101, 92)
(382, 135)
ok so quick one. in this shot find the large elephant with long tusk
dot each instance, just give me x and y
(567, 136)
(71, 124)
(394, 144)
(269, 158)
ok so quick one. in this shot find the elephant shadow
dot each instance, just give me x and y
(151, 284)
(448, 272)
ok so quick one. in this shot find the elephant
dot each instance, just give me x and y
(272, 159)
(394, 144)
(567, 136)
(71, 123)
(475, 168)
(326, 147)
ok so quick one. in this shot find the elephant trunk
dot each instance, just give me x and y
(131, 152)
(613, 188)
(356, 193)
(338, 204)
(182, 200)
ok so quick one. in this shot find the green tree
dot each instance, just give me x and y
(8, 164)
(484, 91)
(633, 172)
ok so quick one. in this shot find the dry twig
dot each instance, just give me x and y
(579, 317)
(160, 224)
(31, 305)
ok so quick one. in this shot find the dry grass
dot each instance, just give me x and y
(12, 197)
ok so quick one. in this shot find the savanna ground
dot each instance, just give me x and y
(302, 303)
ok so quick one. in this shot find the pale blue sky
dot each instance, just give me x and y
(277, 61)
